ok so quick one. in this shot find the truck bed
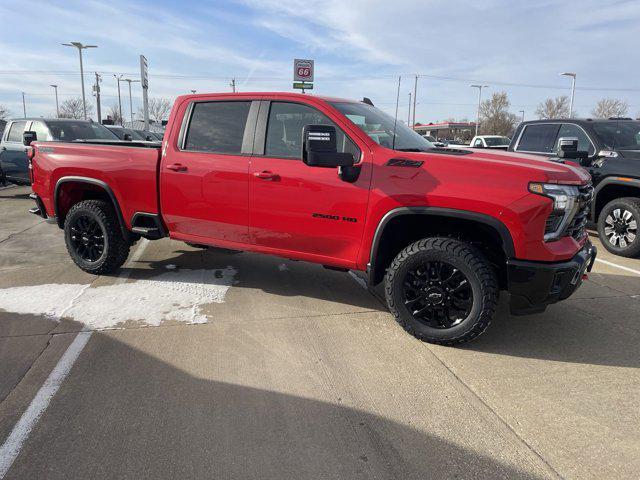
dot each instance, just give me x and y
(129, 169)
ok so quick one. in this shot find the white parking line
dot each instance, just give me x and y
(8, 186)
(12, 446)
(615, 265)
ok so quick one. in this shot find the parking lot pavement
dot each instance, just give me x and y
(234, 365)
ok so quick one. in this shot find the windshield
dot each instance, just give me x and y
(497, 141)
(379, 127)
(622, 135)
(70, 131)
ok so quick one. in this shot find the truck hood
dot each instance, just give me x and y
(540, 168)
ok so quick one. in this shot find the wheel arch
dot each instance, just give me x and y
(84, 188)
(453, 222)
(610, 189)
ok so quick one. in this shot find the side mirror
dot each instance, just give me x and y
(28, 137)
(319, 148)
(568, 150)
(127, 137)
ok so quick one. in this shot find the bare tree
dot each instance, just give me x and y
(554, 108)
(5, 113)
(159, 109)
(610, 107)
(495, 118)
(72, 108)
(114, 113)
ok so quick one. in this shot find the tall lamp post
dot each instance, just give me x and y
(118, 78)
(129, 81)
(479, 87)
(522, 112)
(55, 87)
(81, 47)
(573, 89)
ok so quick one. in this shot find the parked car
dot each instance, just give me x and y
(456, 143)
(612, 157)
(497, 142)
(126, 134)
(14, 164)
(305, 177)
(435, 142)
(148, 136)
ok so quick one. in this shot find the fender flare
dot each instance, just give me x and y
(631, 182)
(91, 181)
(501, 228)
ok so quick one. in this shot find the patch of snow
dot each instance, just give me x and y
(176, 295)
(283, 267)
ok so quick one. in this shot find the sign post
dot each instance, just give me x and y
(144, 81)
(303, 74)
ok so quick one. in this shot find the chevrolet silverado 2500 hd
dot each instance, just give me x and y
(334, 182)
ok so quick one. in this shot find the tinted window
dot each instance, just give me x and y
(570, 130)
(217, 127)
(69, 131)
(15, 134)
(538, 138)
(284, 130)
(41, 131)
(620, 135)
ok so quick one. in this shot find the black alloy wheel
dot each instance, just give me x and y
(87, 238)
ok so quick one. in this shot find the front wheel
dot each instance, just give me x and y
(442, 290)
(93, 237)
(618, 226)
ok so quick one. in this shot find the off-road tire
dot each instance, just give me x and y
(630, 204)
(473, 265)
(116, 247)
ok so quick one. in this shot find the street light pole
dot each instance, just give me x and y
(97, 90)
(522, 112)
(81, 47)
(24, 106)
(409, 114)
(118, 78)
(415, 96)
(479, 87)
(129, 81)
(573, 89)
(55, 87)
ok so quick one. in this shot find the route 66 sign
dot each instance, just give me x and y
(302, 70)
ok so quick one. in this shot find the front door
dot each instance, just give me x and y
(204, 178)
(13, 157)
(309, 211)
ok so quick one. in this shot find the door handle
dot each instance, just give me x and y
(177, 167)
(267, 175)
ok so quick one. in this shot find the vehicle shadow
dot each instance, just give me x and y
(125, 413)
(594, 331)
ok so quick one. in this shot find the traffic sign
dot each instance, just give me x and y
(303, 86)
(302, 70)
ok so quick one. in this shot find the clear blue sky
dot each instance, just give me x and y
(359, 47)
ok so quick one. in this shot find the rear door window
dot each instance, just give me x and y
(16, 131)
(217, 127)
(538, 138)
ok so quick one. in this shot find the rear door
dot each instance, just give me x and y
(13, 157)
(297, 208)
(204, 175)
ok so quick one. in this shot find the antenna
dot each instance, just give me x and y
(395, 119)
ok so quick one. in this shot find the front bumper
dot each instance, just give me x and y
(534, 285)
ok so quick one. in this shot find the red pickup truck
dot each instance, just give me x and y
(334, 182)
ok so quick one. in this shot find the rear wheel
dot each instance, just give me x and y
(442, 290)
(94, 238)
(618, 226)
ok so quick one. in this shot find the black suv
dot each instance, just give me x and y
(14, 164)
(610, 151)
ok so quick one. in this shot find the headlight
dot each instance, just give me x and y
(564, 206)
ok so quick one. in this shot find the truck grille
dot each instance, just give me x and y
(577, 226)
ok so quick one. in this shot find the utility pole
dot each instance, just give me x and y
(522, 112)
(144, 82)
(395, 118)
(118, 78)
(233, 85)
(24, 106)
(129, 81)
(409, 114)
(55, 87)
(81, 47)
(573, 89)
(96, 88)
(479, 87)
(415, 96)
